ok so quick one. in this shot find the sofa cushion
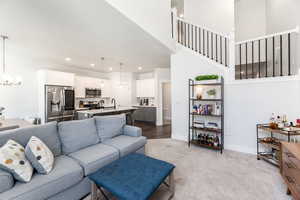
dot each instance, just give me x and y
(39, 155)
(13, 160)
(77, 134)
(6, 181)
(110, 126)
(47, 133)
(66, 173)
(94, 157)
(126, 144)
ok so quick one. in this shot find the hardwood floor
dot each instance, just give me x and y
(154, 132)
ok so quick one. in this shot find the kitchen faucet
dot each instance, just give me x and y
(114, 102)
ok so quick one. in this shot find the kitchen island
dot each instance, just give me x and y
(84, 114)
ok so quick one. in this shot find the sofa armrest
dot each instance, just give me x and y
(6, 181)
(132, 131)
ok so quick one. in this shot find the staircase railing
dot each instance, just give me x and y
(268, 56)
(211, 44)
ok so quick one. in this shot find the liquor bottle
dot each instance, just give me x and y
(216, 141)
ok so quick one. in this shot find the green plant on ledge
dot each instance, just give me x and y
(206, 77)
(211, 92)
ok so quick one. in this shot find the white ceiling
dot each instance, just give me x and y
(48, 31)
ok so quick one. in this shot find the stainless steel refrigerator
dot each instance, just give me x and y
(60, 103)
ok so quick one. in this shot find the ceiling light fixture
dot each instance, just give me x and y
(92, 65)
(68, 59)
(6, 79)
(110, 69)
(140, 68)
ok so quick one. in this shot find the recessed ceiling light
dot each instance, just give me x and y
(110, 69)
(92, 65)
(140, 68)
(68, 59)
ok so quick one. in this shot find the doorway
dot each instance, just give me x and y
(166, 103)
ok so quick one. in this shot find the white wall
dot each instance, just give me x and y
(246, 102)
(185, 65)
(282, 16)
(217, 15)
(250, 19)
(153, 16)
(22, 101)
(161, 75)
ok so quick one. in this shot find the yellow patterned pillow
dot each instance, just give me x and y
(13, 160)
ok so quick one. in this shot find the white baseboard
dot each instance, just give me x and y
(237, 148)
(241, 149)
(178, 137)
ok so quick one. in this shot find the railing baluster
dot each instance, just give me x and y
(196, 40)
(192, 37)
(240, 61)
(226, 52)
(204, 53)
(273, 56)
(188, 35)
(207, 43)
(259, 58)
(185, 35)
(221, 49)
(252, 59)
(212, 46)
(178, 29)
(172, 23)
(216, 48)
(289, 54)
(266, 48)
(281, 72)
(246, 60)
(200, 46)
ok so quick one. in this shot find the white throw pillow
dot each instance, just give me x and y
(13, 160)
(39, 155)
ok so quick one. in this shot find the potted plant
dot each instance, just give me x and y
(207, 78)
(211, 93)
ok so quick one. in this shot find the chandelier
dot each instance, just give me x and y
(6, 79)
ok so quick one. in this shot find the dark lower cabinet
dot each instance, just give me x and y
(145, 114)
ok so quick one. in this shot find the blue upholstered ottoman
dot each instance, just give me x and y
(133, 177)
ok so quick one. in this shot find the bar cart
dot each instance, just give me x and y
(268, 142)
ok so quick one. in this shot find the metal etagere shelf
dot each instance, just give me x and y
(195, 131)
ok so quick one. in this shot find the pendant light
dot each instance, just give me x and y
(102, 63)
(6, 79)
(122, 82)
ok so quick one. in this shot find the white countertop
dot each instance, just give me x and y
(13, 123)
(144, 106)
(110, 110)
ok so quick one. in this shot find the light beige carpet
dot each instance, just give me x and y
(202, 174)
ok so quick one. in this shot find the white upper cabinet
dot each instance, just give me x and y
(145, 88)
(82, 82)
(49, 77)
(106, 89)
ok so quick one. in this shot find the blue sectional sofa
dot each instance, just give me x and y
(80, 147)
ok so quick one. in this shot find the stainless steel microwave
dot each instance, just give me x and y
(92, 93)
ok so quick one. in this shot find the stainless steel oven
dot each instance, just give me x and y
(92, 93)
